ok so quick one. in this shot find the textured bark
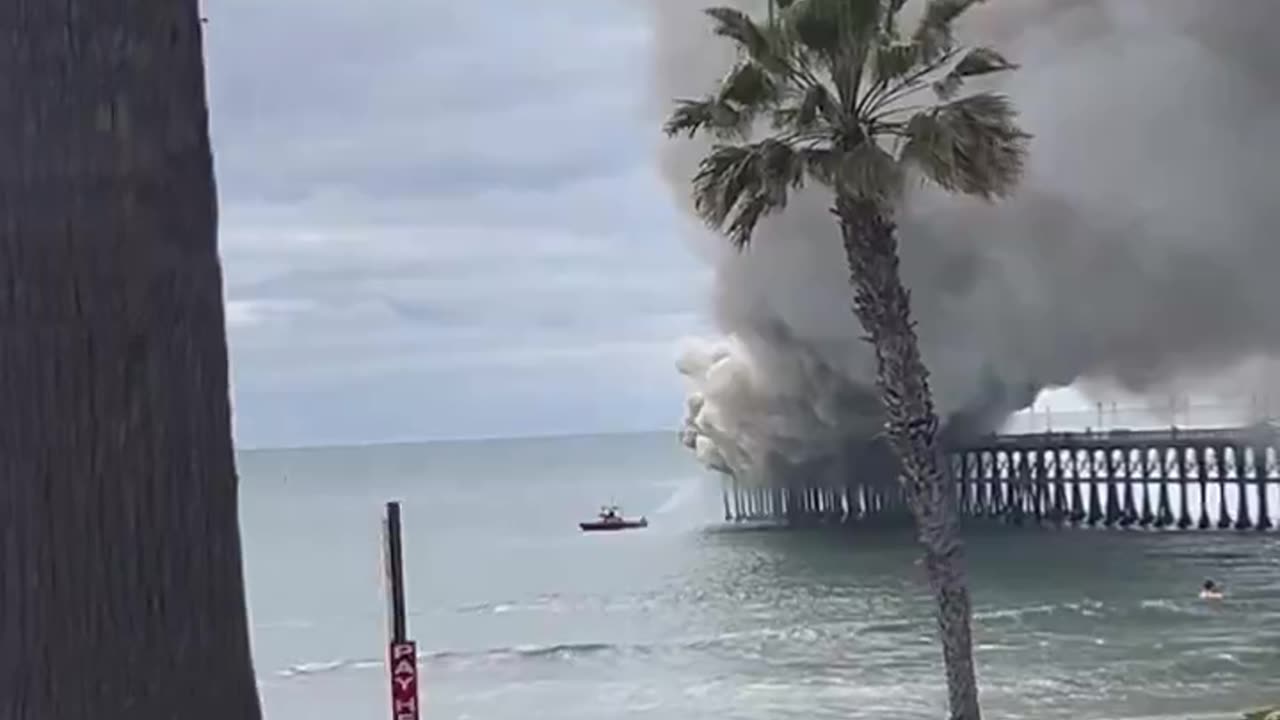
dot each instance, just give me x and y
(883, 306)
(121, 586)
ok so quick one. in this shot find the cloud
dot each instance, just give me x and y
(442, 219)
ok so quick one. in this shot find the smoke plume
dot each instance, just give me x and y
(1139, 254)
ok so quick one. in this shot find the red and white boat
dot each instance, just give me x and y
(611, 518)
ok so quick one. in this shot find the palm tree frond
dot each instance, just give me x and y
(902, 69)
(822, 163)
(710, 114)
(739, 27)
(978, 61)
(840, 35)
(934, 34)
(738, 185)
(972, 145)
(749, 86)
(982, 61)
(744, 93)
(893, 61)
(829, 27)
(747, 216)
(817, 103)
(760, 44)
(815, 107)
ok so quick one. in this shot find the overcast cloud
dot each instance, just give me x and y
(442, 219)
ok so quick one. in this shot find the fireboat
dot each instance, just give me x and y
(611, 518)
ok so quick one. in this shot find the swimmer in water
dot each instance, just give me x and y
(1210, 591)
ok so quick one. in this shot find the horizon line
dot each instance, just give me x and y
(459, 439)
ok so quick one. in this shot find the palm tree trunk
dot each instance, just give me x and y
(883, 306)
(121, 586)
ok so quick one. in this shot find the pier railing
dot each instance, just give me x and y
(1176, 412)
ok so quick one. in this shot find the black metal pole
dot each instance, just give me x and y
(395, 573)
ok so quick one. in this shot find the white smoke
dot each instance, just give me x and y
(1140, 252)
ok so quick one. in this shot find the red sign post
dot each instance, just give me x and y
(402, 653)
(404, 681)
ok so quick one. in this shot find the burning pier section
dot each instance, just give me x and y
(1221, 478)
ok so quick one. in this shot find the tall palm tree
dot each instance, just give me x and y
(835, 93)
(121, 586)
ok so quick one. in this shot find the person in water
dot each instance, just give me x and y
(1210, 591)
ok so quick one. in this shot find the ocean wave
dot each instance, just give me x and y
(318, 668)
(753, 640)
(503, 608)
(561, 650)
(988, 647)
(558, 605)
(1170, 606)
(577, 650)
(1229, 658)
(1018, 613)
(557, 649)
(499, 608)
(1088, 608)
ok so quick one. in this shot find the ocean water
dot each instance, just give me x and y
(519, 615)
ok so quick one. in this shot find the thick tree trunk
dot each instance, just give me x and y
(883, 306)
(121, 587)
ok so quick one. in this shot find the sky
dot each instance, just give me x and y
(443, 219)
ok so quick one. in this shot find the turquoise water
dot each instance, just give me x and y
(519, 615)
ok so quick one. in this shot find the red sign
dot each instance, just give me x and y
(404, 681)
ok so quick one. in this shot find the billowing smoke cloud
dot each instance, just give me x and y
(1140, 253)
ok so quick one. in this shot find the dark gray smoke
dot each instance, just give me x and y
(1140, 252)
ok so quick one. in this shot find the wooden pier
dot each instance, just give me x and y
(1222, 478)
